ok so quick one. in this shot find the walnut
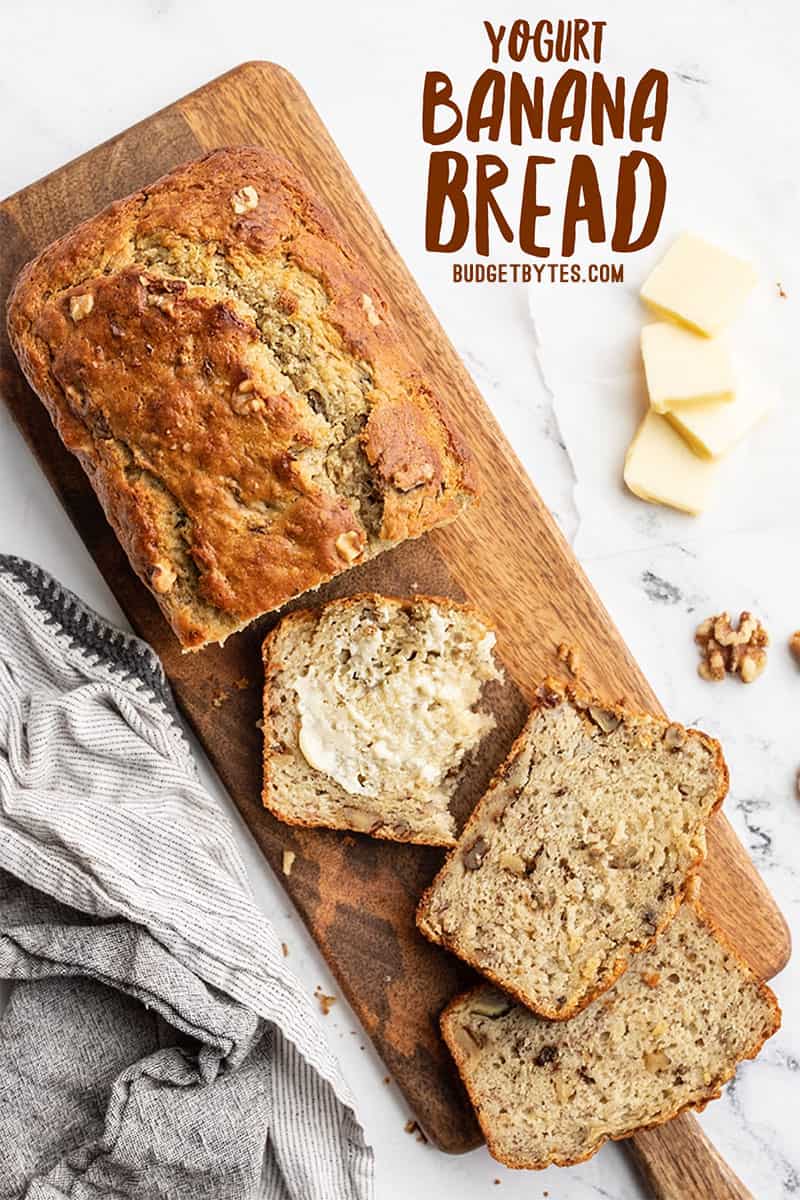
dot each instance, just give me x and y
(162, 578)
(794, 645)
(734, 650)
(368, 305)
(607, 721)
(474, 856)
(655, 1060)
(244, 200)
(163, 303)
(349, 545)
(512, 862)
(245, 404)
(491, 1005)
(674, 736)
(81, 306)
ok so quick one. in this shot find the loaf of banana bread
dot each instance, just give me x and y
(230, 380)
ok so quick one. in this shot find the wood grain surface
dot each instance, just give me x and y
(356, 895)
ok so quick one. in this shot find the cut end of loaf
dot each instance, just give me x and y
(370, 707)
(667, 1037)
(579, 853)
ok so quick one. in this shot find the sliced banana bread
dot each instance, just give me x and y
(580, 851)
(370, 706)
(665, 1038)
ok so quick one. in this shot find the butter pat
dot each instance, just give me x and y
(699, 285)
(713, 429)
(684, 369)
(660, 467)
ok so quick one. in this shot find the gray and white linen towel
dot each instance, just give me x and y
(155, 1043)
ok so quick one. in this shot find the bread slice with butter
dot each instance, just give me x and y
(666, 1038)
(370, 706)
(580, 852)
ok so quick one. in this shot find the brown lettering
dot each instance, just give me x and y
(495, 36)
(491, 86)
(583, 203)
(571, 86)
(531, 210)
(626, 201)
(653, 83)
(491, 173)
(604, 108)
(437, 93)
(447, 179)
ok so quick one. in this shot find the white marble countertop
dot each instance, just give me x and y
(73, 75)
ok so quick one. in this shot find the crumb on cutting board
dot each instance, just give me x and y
(571, 657)
(412, 1126)
(287, 862)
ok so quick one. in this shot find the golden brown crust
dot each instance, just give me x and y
(698, 1105)
(550, 691)
(152, 333)
(272, 665)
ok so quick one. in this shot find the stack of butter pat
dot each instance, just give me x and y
(696, 413)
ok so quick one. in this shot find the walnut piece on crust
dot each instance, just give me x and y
(733, 650)
(571, 657)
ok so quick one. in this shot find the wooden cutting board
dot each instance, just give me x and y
(356, 895)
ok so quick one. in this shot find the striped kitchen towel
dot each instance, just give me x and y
(154, 1044)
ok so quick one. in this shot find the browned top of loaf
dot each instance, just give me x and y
(139, 332)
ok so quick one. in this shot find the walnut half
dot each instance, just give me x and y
(733, 650)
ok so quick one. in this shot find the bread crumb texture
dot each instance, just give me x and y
(233, 385)
(580, 851)
(371, 706)
(552, 1092)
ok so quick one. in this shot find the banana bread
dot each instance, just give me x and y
(370, 707)
(580, 851)
(665, 1038)
(230, 380)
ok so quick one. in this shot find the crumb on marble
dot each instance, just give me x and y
(284, 950)
(325, 1002)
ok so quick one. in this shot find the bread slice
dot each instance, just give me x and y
(580, 851)
(370, 706)
(665, 1038)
